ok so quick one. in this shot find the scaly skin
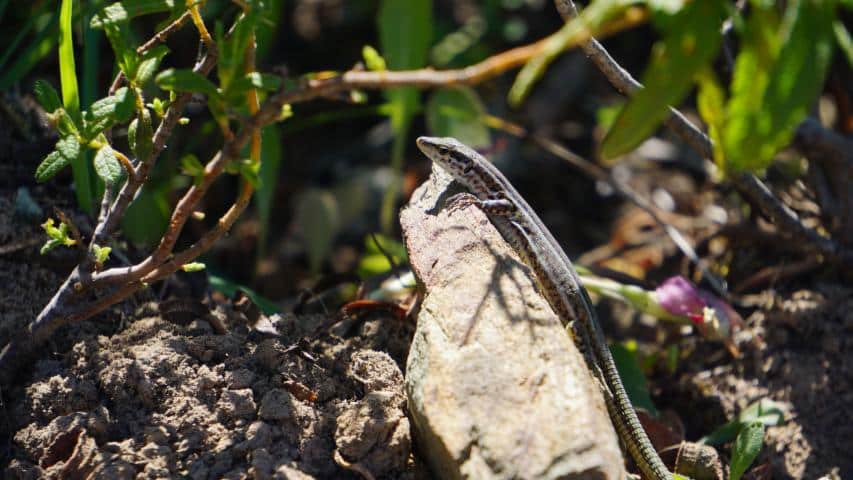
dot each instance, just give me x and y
(556, 279)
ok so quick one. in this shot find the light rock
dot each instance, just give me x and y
(496, 388)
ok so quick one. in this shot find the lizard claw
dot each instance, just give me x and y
(460, 201)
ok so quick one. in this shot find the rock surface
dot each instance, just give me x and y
(496, 388)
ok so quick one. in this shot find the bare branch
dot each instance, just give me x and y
(748, 184)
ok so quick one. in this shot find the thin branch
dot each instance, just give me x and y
(748, 184)
(602, 175)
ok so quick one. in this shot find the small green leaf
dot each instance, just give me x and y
(107, 166)
(843, 39)
(778, 74)
(374, 261)
(232, 49)
(64, 124)
(106, 112)
(182, 80)
(746, 448)
(264, 81)
(50, 166)
(632, 377)
(149, 64)
(125, 51)
(691, 42)
(190, 166)
(101, 253)
(67, 150)
(47, 96)
(249, 171)
(766, 411)
(458, 112)
(57, 236)
(121, 12)
(373, 59)
(229, 289)
(711, 102)
(143, 137)
(192, 267)
(131, 134)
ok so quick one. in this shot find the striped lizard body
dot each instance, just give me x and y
(555, 277)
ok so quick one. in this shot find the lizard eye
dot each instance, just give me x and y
(443, 151)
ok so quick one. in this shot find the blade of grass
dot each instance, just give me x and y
(89, 88)
(39, 47)
(71, 100)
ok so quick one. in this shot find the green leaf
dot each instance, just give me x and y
(374, 261)
(146, 218)
(101, 253)
(765, 411)
(746, 448)
(317, 215)
(122, 12)
(405, 33)
(107, 166)
(843, 39)
(232, 52)
(125, 52)
(778, 73)
(192, 267)
(229, 289)
(591, 19)
(185, 81)
(711, 102)
(57, 236)
(458, 112)
(689, 45)
(264, 81)
(67, 151)
(143, 135)
(47, 96)
(268, 181)
(632, 377)
(50, 166)
(373, 59)
(108, 111)
(149, 64)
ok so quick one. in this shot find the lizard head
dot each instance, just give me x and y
(450, 154)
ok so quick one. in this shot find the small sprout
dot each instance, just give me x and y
(357, 97)
(286, 112)
(159, 107)
(183, 121)
(58, 236)
(373, 59)
(192, 267)
(101, 253)
(198, 215)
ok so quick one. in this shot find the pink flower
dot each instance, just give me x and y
(680, 297)
(713, 317)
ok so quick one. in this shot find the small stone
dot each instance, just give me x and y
(277, 405)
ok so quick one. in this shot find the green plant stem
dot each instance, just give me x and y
(71, 101)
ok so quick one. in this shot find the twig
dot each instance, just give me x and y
(748, 184)
(157, 39)
(599, 173)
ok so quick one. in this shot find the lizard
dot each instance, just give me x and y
(555, 277)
